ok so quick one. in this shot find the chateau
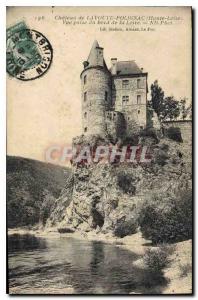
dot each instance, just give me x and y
(113, 100)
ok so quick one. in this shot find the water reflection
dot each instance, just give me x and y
(28, 242)
(88, 267)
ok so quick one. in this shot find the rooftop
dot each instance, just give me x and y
(93, 58)
(127, 68)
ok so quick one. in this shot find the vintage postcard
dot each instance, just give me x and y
(99, 150)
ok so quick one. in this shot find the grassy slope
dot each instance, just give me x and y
(28, 183)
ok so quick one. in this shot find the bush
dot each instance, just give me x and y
(156, 259)
(167, 220)
(149, 132)
(45, 210)
(161, 157)
(174, 133)
(125, 227)
(127, 183)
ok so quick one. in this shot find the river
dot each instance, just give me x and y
(52, 265)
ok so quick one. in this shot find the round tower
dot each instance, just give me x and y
(96, 92)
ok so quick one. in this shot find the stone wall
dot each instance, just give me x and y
(185, 128)
(115, 123)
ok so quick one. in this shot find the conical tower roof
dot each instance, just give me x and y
(93, 59)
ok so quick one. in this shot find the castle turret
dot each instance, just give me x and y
(96, 91)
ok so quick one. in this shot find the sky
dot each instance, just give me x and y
(47, 111)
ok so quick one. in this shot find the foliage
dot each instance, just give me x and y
(149, 115)
(186, 111)
(166, 108)
(21, 208)
(156, 259)
(125, 227)
(167, 218)
(161, 157)
(157, 97)
(28, 181)
(149, 132)
(46, 206)
(174, 133)
(126, 183)
(169, 109)
(189, 111)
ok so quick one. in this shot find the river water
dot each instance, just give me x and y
(63, 265)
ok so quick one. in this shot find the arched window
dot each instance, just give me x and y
(85, 129)
(138, 112)
(85, 115)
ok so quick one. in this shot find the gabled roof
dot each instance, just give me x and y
(127, 68)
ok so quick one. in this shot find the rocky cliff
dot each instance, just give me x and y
(106, 197)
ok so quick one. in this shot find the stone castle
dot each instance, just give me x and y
(113, 100)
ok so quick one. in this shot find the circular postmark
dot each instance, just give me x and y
(28, 55)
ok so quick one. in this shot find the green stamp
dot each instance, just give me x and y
(29, 53)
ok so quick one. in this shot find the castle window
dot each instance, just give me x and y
(139, 83)
(85, 96)
(85, 129)
(106, 96)
(125, 100)
(85, 79)
(138, 111)
(138, 99)
(85, 115)
(125, 84)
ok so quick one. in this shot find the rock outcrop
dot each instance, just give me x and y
(106, 196)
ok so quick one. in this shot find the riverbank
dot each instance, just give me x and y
(178, 274)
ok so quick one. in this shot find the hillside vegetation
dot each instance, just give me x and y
(32, 187)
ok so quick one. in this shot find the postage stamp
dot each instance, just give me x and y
(29, 54)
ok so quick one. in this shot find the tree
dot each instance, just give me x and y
(48, 201)
(166, 108)
(169, 109)
(189, 111)
(186, 111)
(157, 97)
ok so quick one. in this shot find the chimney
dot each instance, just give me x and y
(113, 66)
